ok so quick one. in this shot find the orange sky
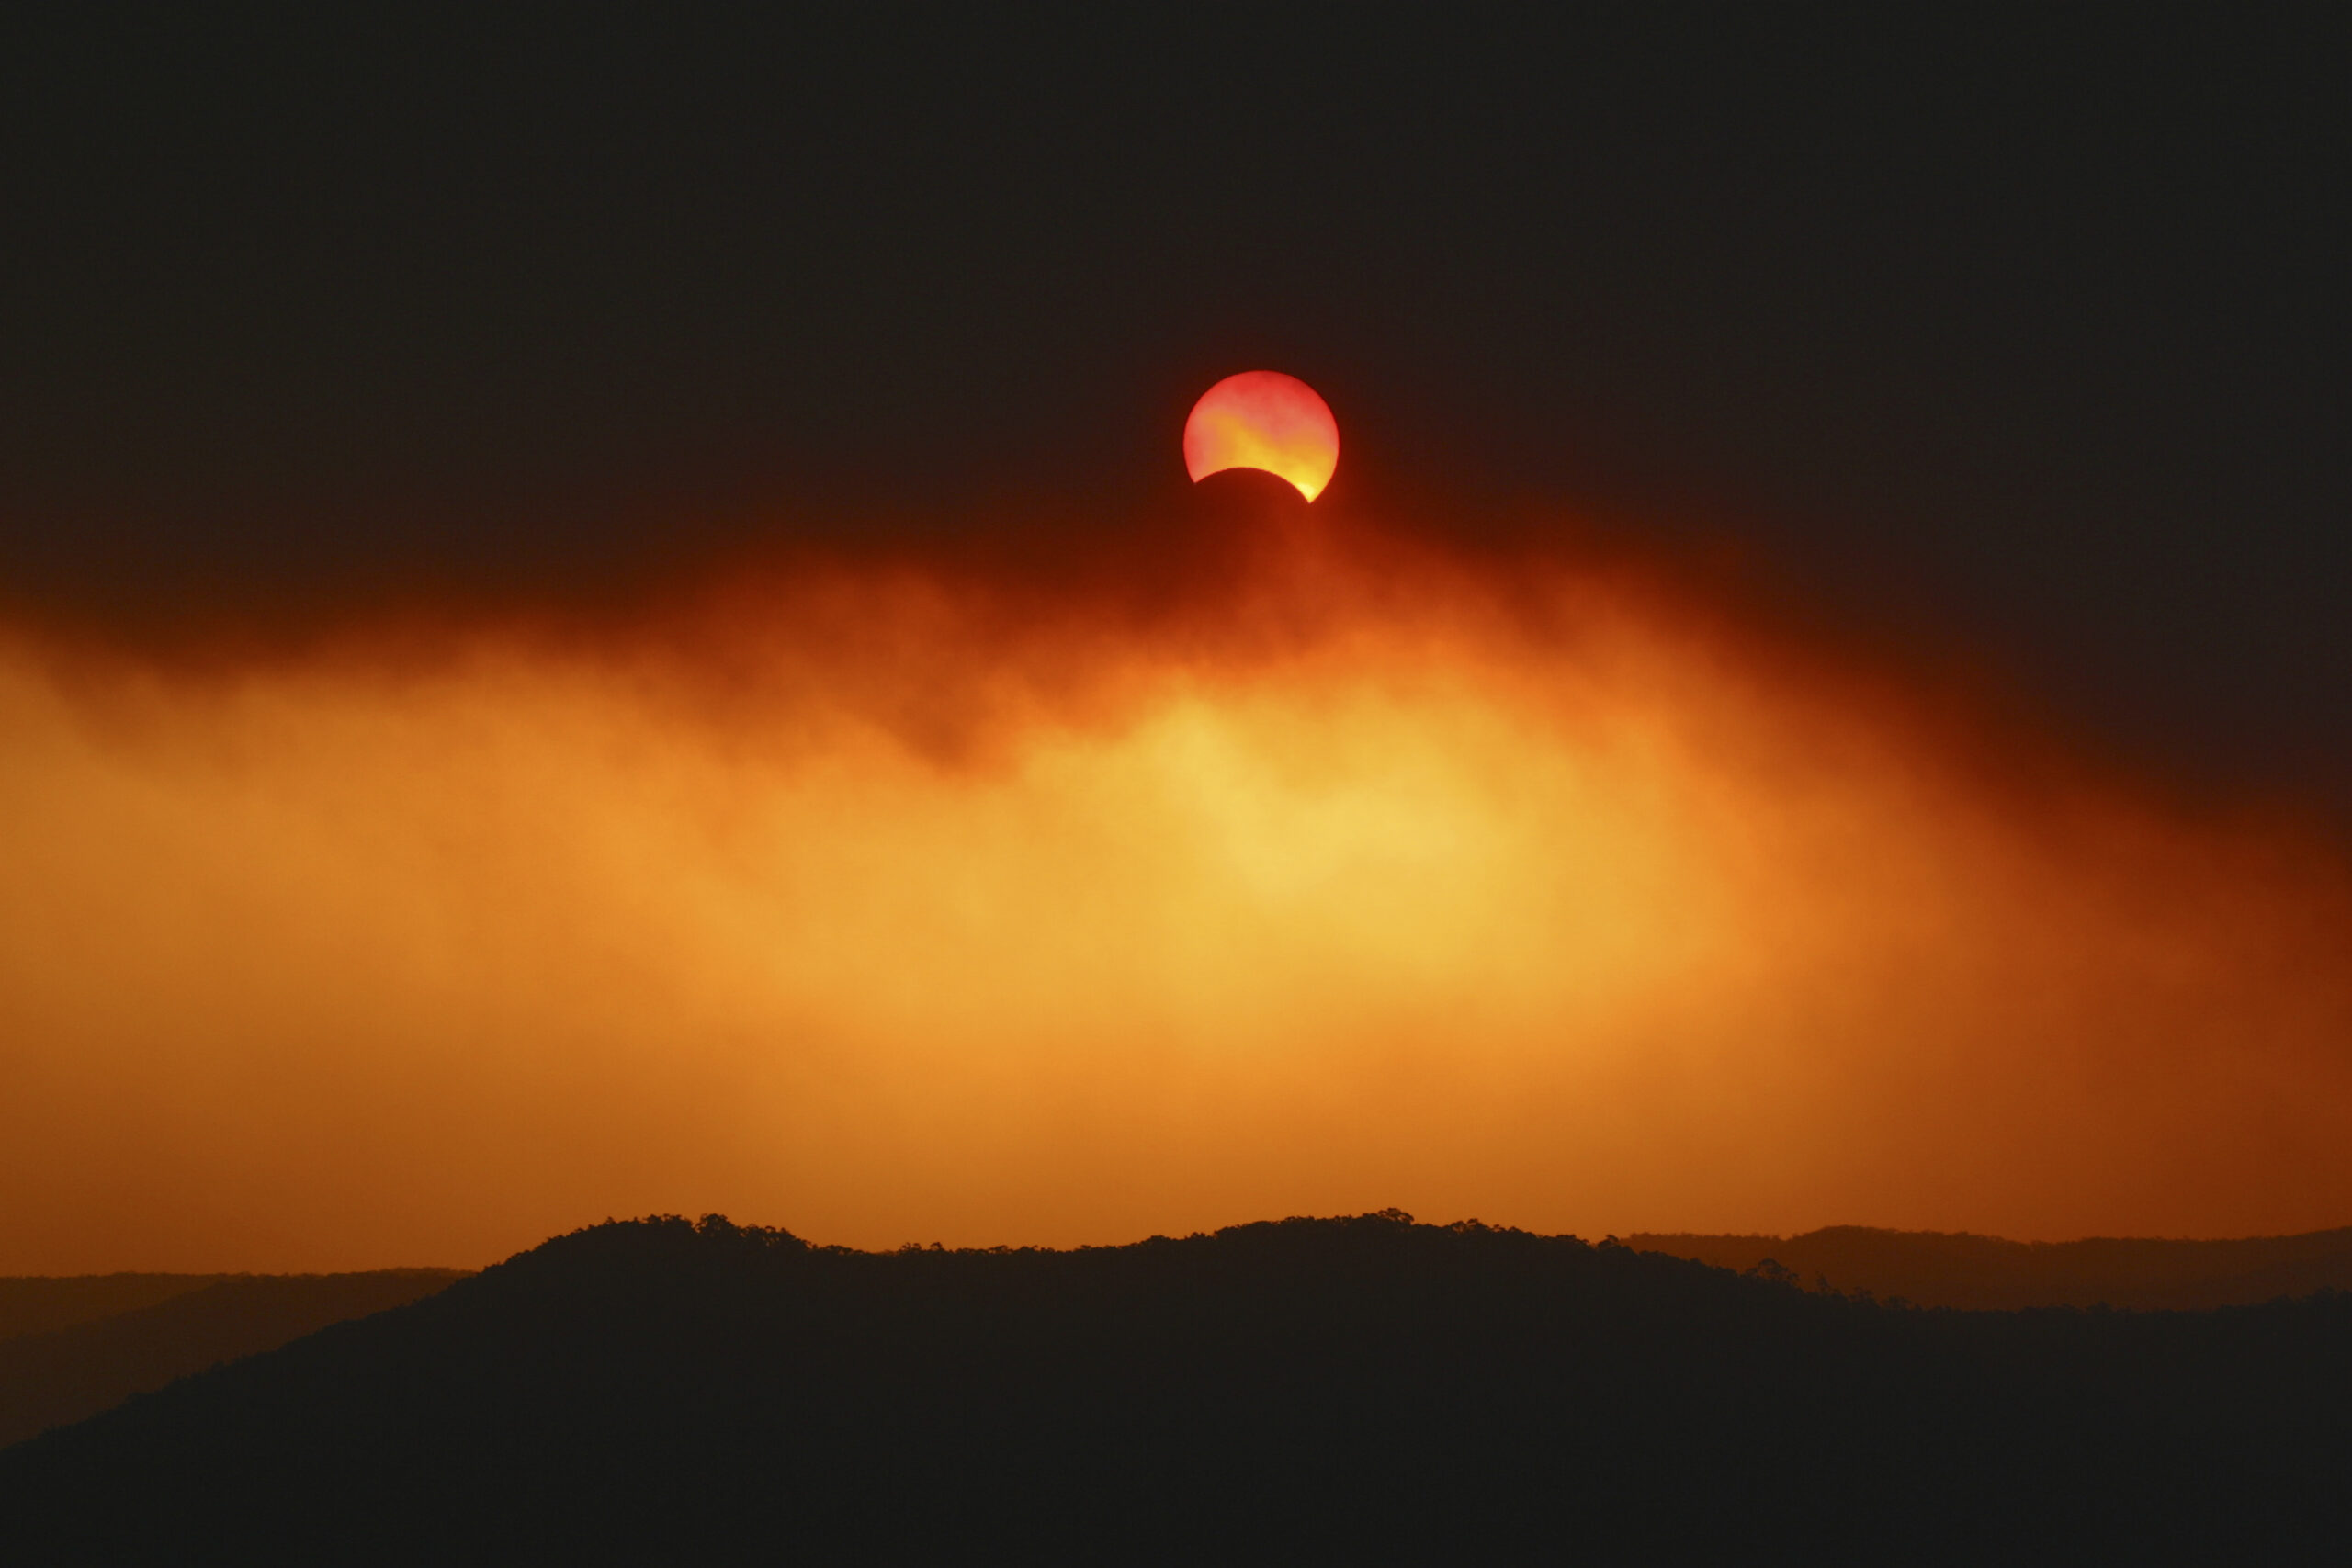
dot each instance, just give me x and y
(886, 903)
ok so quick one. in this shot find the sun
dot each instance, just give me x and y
(1263, 419)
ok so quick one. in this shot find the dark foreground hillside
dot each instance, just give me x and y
(1310, 1391)
(94, 1362)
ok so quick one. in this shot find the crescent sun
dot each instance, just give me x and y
(1263, 419)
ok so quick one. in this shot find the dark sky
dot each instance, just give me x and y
(2027, 328)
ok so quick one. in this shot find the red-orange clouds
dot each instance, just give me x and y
(886, 904)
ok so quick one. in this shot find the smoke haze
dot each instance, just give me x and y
(1287, 865)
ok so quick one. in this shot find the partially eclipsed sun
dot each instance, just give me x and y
(1263, 419)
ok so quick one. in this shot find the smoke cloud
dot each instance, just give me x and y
(1301, 867)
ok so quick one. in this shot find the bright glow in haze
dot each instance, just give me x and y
(886, 912)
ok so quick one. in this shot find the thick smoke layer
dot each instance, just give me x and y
(1308, 870)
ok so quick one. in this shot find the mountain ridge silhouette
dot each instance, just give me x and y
(133, 1334)
(1957, 1269)
(1367, 1388)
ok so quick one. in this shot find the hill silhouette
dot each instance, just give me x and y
(1365, 1389)
(102, 1338)
(1935, 1268)
(39, 1303)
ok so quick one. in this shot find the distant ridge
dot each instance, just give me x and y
(97, 1358)
(1956, 1269)
(39, 1304)
(1364, 1390)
